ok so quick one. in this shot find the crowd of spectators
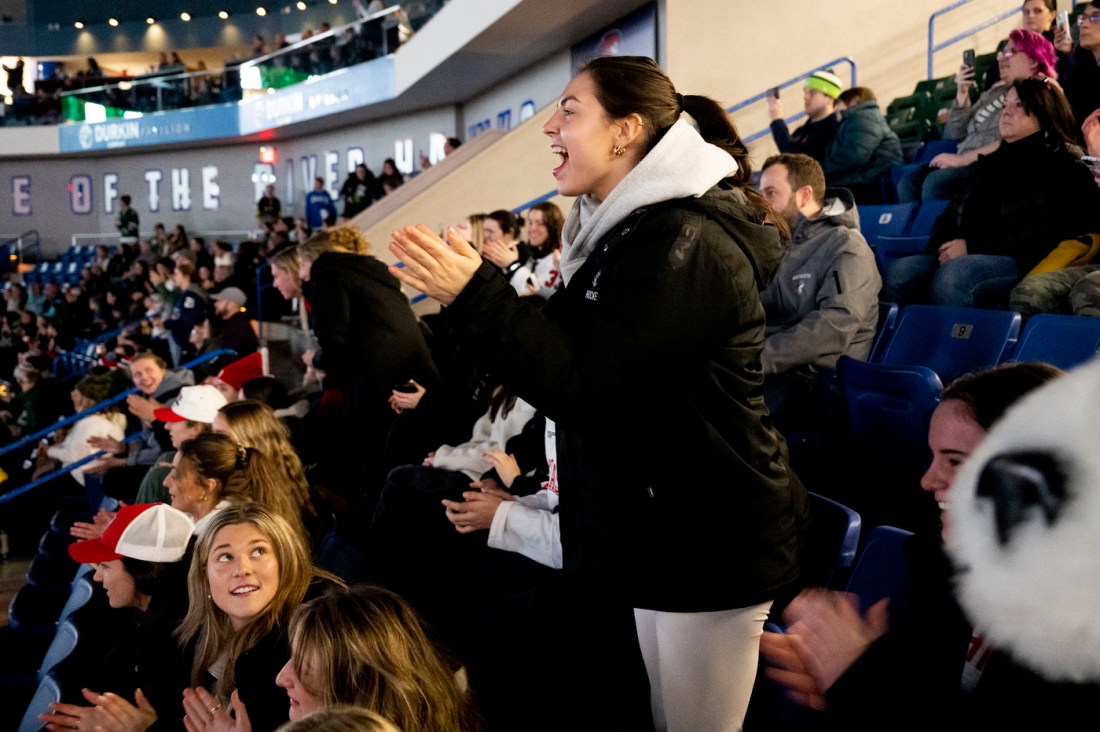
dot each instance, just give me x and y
(170, 82)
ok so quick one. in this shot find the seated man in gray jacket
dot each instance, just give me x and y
(823, 301)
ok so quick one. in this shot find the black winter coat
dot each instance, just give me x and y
(1020, 201)
(370, 339)
(675, 490)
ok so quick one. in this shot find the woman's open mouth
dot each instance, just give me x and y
(563, 154)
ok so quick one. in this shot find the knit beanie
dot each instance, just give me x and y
(825, 82)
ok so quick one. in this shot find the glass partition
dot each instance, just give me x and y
(372, 36)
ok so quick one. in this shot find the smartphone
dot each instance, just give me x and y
(968, 57)
(1063, 20)
(1092, 162)
(774, 92)
(407, 388)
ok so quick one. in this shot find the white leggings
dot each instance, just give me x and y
(701, 666)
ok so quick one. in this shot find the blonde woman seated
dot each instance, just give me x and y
(366, 646)
(250, 570)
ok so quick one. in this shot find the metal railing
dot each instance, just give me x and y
(250, 234)
(83, 350)
(788, 83)
(362, 40)
(57, 472)
(933, 47)
(46, 431)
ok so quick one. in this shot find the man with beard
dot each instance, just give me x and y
(823, 302)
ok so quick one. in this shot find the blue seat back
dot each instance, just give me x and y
(891, 219)
(49, 691)
(932, 148)
(914, 240)
(64, 643)
(831, 543)
(951, 341)
(881, 570)
(887, 409)
(1060, 340)
(925, 218)
(884, 331)
(83, 588)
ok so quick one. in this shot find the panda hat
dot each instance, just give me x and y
(1024, 520)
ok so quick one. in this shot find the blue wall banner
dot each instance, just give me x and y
(338, 91)
(158, 128)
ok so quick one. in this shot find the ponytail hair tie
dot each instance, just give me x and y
(680, 101)
(242, 455)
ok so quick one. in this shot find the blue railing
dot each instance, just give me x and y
(43, 479)
(788, 83)
(933, 47)
(68, 363)
(34, 437)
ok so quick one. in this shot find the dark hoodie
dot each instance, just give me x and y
(675, 492)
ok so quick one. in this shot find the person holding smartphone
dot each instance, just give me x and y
(1042, 17)
(976, 126)
(818, 100)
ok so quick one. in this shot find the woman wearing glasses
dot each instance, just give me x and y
(1027, 55)
(1080, 70)
(1017, 204)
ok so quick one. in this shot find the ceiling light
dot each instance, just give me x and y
(261, 12)
(223, 15)
(150, 21)
(332, 2)
(185, 16)
(301, 5)
(112, 22)
(78, 24)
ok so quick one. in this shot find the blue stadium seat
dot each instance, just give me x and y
(932, 148)
(884, 331)
(831, 543)
(887, 409)
(55, 544)
(49, 690)
(881, 571)
(51, 571)
(1060, 340)
(890, 247)
(951, 341)
(64, 642)
(926, 217)
(890, 219)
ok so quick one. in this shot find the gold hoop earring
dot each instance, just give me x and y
(619, 150)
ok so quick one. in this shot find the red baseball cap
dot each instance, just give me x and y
(153, 532)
